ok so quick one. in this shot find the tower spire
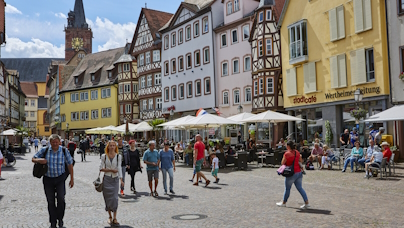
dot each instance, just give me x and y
(79, 15)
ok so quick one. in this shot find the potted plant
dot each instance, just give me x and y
(358, 114)
(328, 133)
(401, 76)
(396, 153)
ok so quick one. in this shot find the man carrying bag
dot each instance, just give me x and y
(56, 159)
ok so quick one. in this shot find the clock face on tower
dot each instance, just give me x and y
(77, 43)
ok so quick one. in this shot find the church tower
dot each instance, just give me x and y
(78, 35)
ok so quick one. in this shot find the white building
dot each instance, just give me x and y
(188, 70)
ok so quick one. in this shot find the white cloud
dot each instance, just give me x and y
(61, 15)
(12, 10)
(111, 35)
(36, 48)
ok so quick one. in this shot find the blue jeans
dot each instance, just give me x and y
(351, 160)
(186, 158)
(363, 161)
(296, 179)
(170, 172)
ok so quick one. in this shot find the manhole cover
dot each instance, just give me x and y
(189, 217)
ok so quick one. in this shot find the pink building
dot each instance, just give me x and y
(233, 57)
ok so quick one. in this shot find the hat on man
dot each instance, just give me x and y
(381, 128)
(371, 127)
(385, 144)
(354, 129)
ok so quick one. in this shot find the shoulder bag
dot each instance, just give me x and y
(290, 170)
(98, 184)
(40, 169)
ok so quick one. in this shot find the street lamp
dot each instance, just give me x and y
(358, 95)
(240, 109)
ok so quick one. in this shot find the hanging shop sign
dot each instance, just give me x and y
(303, 99)
(350, 93)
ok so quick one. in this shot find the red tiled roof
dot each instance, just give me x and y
(278, 9)
(29, 88)
(156, 19)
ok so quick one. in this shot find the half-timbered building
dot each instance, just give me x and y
(146, 48)
(187, 57)
(266, 57)
(128, 88)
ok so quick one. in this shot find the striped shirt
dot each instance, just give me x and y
(56, 160)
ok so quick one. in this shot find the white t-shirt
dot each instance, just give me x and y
(378, 156)
(206, 153)
(44, 142)
(216, 162)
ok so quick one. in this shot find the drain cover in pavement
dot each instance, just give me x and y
(189, 217)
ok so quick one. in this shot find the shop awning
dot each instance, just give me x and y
(392, 114)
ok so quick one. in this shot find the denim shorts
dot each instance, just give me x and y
(151, 174)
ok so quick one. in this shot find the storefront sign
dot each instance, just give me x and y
(211, 131)
(304, 99)
(343, 93)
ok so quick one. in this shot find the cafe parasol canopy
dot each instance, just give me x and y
(241, 117)
(394, 113)
(105, 130)
(208, 120)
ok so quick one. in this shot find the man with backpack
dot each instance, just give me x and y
(57, 160)
(83, 149)
(72, 147)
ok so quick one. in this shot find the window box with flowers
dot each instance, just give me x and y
(358, 114)
(401, 76)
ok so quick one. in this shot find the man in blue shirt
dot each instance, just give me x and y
(354, 136)
(36, 142)
(369, 153)
(372, 133)
(167, 161)
(152, 159)
(54, 179)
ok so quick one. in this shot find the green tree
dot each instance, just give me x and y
(21, 131)
(328, 133)
(156, 129)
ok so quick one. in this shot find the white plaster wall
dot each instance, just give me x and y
(396, 40)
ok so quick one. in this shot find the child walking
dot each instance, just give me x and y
(193, 176)
(215, 166)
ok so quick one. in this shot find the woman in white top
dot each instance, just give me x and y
(111, 166)
(327, 158)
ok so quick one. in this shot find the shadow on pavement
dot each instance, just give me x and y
(212, 187)
(121, 226)
(222, 184)
(314, 211)
(7, 169)
(1, 197)
(19, 158)
(178, 196)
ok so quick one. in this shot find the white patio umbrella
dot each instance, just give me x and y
(177, 122)
(271, 117)
(106, 130)
(392, 114)
(208, 120)
(131, 127)
(240, 117)
(9, 132)
(143, 126)
(92, 130)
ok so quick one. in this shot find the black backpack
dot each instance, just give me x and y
(40, 169)
(309, 165)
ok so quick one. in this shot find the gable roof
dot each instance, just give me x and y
(195, 6)
(91, 62)
(277, 5)
(282, 16)
(30, 69)
(155, 20)
(29, 88)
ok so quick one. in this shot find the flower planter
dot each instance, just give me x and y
(396, 155)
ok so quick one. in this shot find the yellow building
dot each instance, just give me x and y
(329, 50)
(42, 115)
(89, 99)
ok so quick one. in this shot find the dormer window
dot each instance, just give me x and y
(92, 77)
(76, 79)
(109, 74)
(126, 66)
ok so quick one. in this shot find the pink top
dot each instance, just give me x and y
(318, 151)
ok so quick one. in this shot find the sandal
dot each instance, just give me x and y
(155, 193)
(115, 222)
(110, 220)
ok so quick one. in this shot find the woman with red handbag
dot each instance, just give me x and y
(292, 157)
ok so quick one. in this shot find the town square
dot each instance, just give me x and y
(201, 113)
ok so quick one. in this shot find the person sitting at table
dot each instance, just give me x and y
(345, 138)
(316, 153)
(178, 151)
(356, 154)
(386, 151)
(281, 143)
(252, 145)
(375, 161)
(328, 157)
(189, 150)
(369, 153)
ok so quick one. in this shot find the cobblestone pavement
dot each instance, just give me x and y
(241, 199)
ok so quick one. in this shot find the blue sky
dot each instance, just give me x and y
(35, 28)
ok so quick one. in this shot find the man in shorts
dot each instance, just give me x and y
(152, 159)
(199, 156)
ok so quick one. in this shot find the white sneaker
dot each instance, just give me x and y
(281, 204)
(305, 206)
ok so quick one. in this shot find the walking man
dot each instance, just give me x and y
(44, 142)
(152, 159)
(72, 147)
(125, 161)
(199, 156)
(36, 142)
(167, 166)
(54, 179)
(83, 149)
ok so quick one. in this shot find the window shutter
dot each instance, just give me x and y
(333, 24)
(358, 67)
(309, 70)
(367, 14)
(341, 22)
(291, 82)
(334, 72)
(341, 59)
(358, 14)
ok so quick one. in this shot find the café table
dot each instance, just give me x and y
(261, 155)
